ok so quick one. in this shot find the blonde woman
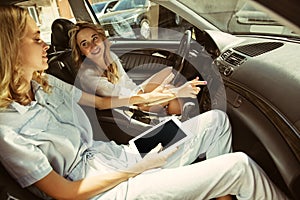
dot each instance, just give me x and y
(100, 71)
(49, 148)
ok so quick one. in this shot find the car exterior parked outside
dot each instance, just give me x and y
(129, 14)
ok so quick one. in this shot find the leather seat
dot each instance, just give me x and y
(60, 60)
(10, 189)
(59, 36)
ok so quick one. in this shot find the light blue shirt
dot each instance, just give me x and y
(52, 133)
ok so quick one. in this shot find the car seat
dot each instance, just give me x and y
(60, 34)
(10, 189)
(107, 124)
(60, 60)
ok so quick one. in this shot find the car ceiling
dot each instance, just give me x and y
(10, 2)
(288, 9)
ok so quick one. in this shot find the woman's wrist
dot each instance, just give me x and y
(173, 91)
(141, 90)
(137, 99)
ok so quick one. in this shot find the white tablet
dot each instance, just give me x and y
(169, 133)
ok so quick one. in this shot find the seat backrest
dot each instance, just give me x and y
(60, 62)
(60, 34)
(62, 66)
(10, 189)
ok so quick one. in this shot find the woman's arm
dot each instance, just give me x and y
(158, 96)
(58, 187)
(163, 77)
(102, 103)
(188, 89)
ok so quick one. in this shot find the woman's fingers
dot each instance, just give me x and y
(189, 89)
(196, 90)
(157, 149)
(156, 158)
(170, 153)
(196, 83)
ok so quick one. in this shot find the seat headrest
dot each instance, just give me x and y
(59, 36)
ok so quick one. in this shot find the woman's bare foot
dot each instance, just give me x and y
(227, 197)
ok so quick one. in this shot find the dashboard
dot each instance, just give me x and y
(265, 69)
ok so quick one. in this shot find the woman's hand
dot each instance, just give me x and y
(159, 95)
(189, 89)
(151, 160)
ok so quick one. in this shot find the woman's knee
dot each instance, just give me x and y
(240, 161)
(217, 118)
(175, 107)
(168, 69)
(221, 119)
(220, 115)
(165, 71)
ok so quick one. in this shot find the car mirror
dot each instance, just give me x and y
(254, 17)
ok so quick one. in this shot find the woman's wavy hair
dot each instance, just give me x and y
(112, 71)
(13, 20)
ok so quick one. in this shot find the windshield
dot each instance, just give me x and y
(155, 21)
(237, 17)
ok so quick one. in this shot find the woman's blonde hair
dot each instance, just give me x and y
(112, 71)
(13, 86)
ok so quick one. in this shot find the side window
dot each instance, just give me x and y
(33, 14)
(141, 19)
(45, 12)
(122, 5)
(111, 5)
(145, 19)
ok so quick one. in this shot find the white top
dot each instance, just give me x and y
(92, 82)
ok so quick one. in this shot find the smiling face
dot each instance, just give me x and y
(33, 55)
(91, 45)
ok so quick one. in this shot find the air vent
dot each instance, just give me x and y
(226, 54)
(235, 59)
(258, 48)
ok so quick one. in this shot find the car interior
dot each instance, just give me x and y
(139, 64)
(261, 117)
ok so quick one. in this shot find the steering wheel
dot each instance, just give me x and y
(182, 53)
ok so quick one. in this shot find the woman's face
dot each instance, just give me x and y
(33, 55)
(90, 44)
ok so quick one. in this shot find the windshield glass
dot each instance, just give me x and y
(144, 19)
(237, 17)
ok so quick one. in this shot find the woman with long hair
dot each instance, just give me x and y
(101, 72)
